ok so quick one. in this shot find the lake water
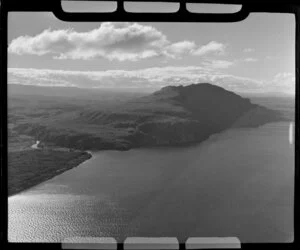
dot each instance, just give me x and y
(237, 183)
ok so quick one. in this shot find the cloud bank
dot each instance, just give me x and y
(149, 79)
(113, 41)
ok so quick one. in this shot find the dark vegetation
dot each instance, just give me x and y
(28, 168)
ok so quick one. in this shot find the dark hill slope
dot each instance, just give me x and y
(170, 116)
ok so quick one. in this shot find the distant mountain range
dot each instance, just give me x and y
(174, 115)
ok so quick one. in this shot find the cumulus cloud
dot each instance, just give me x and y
(180, 48)
(211, 47)
(149, 79)
(121, 41)
(113, 41)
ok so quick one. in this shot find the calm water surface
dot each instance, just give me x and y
(238, 183)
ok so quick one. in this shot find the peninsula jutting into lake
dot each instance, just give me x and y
(174, 115)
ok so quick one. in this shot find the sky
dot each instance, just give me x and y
(255, 55)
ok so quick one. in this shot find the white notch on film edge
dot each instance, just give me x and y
(89, 243)
(151, 243)
(212, 242)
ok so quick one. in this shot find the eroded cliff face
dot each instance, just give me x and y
(170, 116)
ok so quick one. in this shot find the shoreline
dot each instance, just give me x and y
(188, 144)
(43, 165)
(89, 154)
(180, 144)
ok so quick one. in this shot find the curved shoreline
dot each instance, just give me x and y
(72, 163)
